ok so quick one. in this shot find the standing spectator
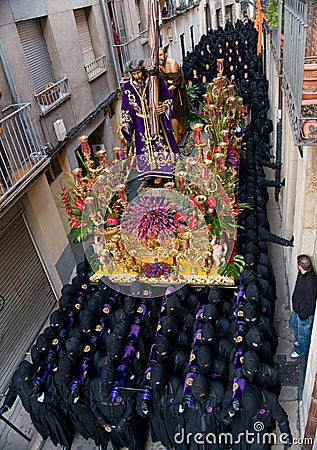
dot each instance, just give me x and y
(117, 41)
(303, 304)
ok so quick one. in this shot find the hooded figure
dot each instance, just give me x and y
(256, 407)
(260, 374)
(39, 350)
(115, 414)
(79, 411)
(178, 338)
(204, 359)
(253, 318)
(256, 343)
(203, 414)
(47, 417)
(183, 316)
(163, 421)
(173, 360)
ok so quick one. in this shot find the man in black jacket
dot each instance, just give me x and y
(303, 305)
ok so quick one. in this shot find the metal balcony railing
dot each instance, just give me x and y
(295, 29)
(133, 46)
(53, 95)
(97, 67)
(22, 150)
(173, 7)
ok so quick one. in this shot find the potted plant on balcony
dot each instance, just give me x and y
(309, 121)
(310, 80)
(50, 95)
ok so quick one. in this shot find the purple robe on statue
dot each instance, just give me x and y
(155, 156)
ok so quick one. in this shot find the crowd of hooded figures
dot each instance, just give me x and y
(193, 368)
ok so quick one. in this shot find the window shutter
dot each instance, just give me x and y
(137, 9)
(84, 36)
(36, 54)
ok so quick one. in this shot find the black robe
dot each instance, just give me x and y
(118, 415)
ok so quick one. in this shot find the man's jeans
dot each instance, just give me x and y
(302, 332)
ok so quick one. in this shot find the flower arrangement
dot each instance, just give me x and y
(153, 218)
(156, 270)
(74, 207)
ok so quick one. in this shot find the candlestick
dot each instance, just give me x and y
(197, 129)
(90, 202)
(84, 145)
(78, 176)
(220, 65)
(122, 194)
(101, 185)
(212, 111)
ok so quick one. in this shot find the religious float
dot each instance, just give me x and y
(183, 231)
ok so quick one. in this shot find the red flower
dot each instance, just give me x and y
(112, 221)
(181, 217)
(193, 223)
(192, 201)
(212, 202)
(76, 224)
(80, 204)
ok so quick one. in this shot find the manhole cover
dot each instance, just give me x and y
(288, 372)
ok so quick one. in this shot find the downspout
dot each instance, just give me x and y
(110, 38)
(8, 75)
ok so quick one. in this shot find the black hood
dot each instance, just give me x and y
(251, 399)
(251, 365)
(200, 388)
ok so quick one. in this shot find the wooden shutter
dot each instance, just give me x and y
(36, 54)
(26, 298)
(84, 36)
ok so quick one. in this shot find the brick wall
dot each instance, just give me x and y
(311, 37)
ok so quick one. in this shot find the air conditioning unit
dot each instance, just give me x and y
(60, 130)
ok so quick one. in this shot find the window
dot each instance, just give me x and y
(228, 13)
(192, 37)
(84, 36)
(182, 38)
(140, 14)
(218, 16)
(36, 54)
(208, 17)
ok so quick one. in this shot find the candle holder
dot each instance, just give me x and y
(78, 177)
(197, 129)
(200, 149)
(85, 146)
(220, 66)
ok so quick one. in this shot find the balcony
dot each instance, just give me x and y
(22, 151)
(297, 36)
(53, 95)
(132, 46)
(96, 67)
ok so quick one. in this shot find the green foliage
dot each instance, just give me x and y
(271, 14)
(193, 116)
(233, 268)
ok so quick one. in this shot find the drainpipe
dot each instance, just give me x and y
(311, 424)
(110, 38)
(8, 75)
